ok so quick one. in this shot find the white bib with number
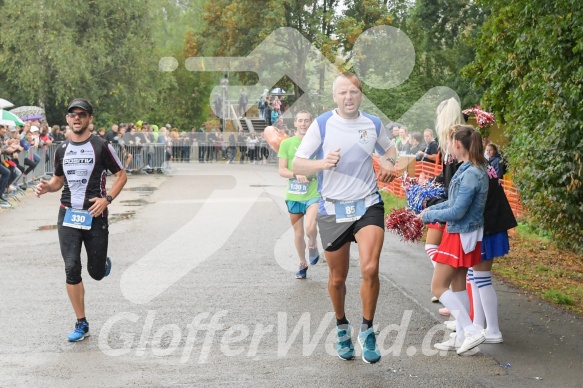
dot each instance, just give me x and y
(348, 211)
(78, 219)
(297, 187)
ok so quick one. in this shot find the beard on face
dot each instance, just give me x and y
(80, 130)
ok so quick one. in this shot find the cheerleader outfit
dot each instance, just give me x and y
(463, 214)
(460, 249)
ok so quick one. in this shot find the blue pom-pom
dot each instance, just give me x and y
(418, 194)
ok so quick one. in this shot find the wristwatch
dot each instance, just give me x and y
(109, 198)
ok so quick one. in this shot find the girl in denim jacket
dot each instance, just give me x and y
(460, 248)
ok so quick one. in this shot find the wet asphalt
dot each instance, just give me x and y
(202, 293)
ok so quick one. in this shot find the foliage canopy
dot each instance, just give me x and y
(530, 56)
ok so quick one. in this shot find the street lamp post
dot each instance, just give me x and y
(224, 85)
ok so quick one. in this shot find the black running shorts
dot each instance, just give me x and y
(334, 235)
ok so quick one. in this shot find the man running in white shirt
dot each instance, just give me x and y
(351, 208)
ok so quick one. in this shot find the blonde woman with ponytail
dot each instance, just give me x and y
(448, 114)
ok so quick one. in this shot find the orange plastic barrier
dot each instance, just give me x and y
(431, 170)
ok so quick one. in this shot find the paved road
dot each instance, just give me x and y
(202, 293)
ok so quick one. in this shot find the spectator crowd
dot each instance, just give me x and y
(146, 148)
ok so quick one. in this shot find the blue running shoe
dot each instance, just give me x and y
(344, 348)
(107, 267)
(313, 254)
(303, 271)
(81, 331)
(368, 344)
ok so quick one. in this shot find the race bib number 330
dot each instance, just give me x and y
(78, 219)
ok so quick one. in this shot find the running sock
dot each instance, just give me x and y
(479, 317)
(81, 319)
(489, 299)
(341, 321)
(431, 250)
(453, 303)
(365, 324)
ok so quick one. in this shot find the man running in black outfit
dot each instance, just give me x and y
(81, 165)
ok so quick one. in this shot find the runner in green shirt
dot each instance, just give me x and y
(302, 196)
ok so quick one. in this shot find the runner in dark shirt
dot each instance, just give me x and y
(81, 164)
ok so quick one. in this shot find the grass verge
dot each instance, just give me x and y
(392, 202)
(537, 266)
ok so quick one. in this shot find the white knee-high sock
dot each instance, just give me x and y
(431, 250)
(450, 300)
(464, 298)
(479, 317)
(489, 299)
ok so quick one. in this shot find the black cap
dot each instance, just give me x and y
(81, 103)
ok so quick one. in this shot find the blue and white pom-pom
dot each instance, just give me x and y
(418, 194)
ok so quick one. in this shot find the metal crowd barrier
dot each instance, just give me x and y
(41, 168)
(143, 157)
(147, 157)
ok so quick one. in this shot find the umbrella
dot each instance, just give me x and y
(9, 116)
(5, 104)
(7, 122)
(26, 112)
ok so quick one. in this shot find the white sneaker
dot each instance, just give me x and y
(471, 341)
(447, 345)
(492, 338)
(451, 344)
(450, 325)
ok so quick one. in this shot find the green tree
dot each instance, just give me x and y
(442, 33)
(51, 52)
(232, 28)
(182, 95)
(529, 57)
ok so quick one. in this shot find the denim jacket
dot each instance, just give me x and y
(464, 209)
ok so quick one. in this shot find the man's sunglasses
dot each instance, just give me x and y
(81, 115)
